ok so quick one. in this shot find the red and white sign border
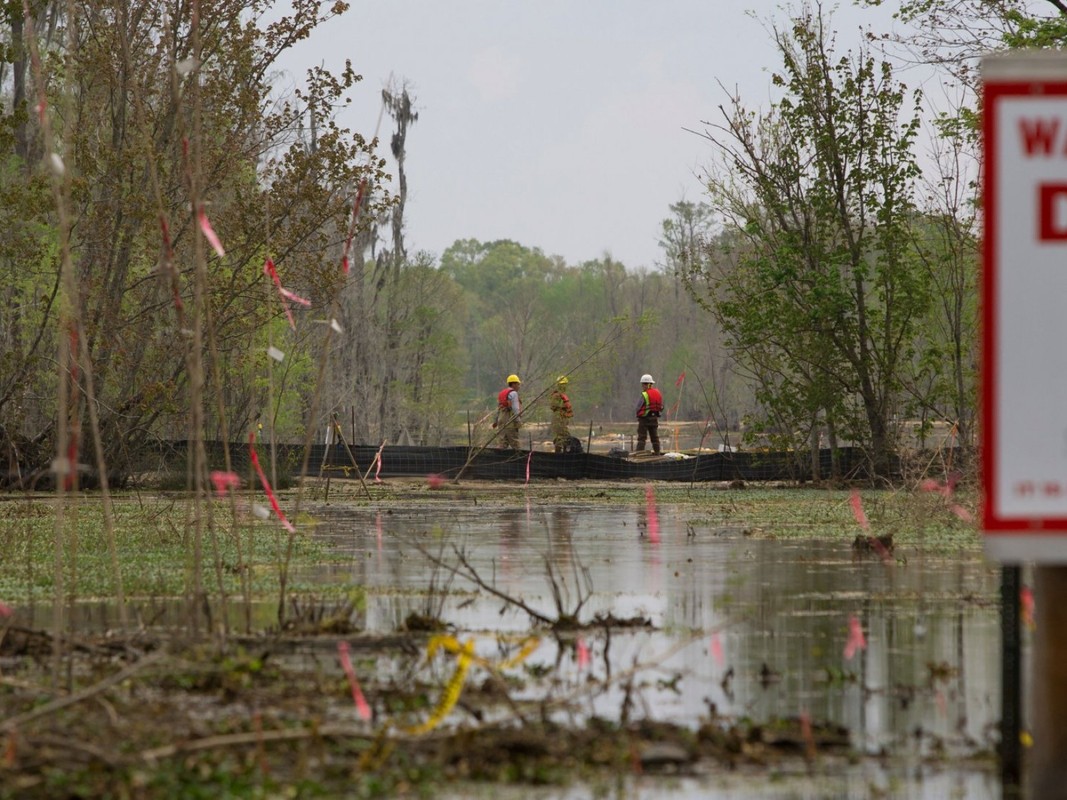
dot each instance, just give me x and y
(1009, 538)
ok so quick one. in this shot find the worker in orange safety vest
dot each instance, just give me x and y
(648, 410)
(560, 406)
(508, 409)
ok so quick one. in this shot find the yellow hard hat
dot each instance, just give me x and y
(562, 380)
(513, 379)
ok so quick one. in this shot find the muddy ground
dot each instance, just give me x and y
(154, 719)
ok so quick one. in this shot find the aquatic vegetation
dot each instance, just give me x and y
(153, 544)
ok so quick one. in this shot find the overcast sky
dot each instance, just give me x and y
(560, 124)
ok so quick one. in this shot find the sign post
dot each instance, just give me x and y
(1024, 378)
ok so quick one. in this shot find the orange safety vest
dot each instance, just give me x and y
(562, 406)
(502, 399)
(652, 405)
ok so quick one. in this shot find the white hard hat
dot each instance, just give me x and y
(646, 378)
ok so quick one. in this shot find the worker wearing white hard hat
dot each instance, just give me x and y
(649, 408)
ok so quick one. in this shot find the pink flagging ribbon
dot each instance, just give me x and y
(6, 610)
(209, 233)
(266, 484)
(168, 255)
(268, 269)
(529, 458)
(294, 297)
(583, 653)
(961, 512)
(1026, 607)
(377, 464)
(857, 510)
(856, 640)
(653, 517)
(881, 550)
(357, 693)
(716, 649)
(224, 481)
(930, 485)
(946, 490)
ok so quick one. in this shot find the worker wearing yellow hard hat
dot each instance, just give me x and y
(508, 409)
(560, 405)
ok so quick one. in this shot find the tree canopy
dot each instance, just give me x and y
(838, 260)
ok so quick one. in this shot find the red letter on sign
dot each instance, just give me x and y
(1053, 225)
(1038, 135)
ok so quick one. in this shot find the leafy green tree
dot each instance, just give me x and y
(827, 292)
(599, 322)
(513, 324)
(942, 379)
(416, 320)
(954, 34)
(150, 112)
(686, 241)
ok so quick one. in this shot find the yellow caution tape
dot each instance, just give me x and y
(450, 696)
(465, 658)
(529, 644)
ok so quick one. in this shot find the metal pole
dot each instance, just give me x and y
(589, 441)
(1011, 680)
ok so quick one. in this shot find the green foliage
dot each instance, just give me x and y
(152, 552)
(514, 323)
(822, 303)
(141, 141)
(1026, 30)
(539, 317)
(419, 343)
(400, 363)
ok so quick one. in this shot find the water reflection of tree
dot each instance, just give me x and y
(560, 543)
(916, 674)
(511, 529)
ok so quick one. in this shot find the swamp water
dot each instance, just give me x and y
(740, 626)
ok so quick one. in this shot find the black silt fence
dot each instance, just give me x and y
(515, 465)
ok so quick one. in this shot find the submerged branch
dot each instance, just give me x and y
(11, 723)
(472, 575)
